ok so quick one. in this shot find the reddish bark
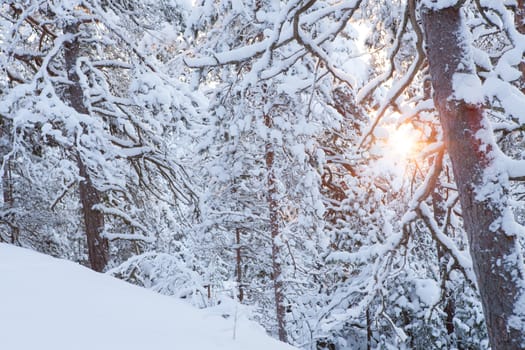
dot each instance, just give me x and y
(98, 247)
(239, 264)
(490, 246)
(274, 231)
(519, 19)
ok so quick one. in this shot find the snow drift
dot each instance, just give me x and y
(52, 304)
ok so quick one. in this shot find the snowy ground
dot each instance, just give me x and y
(51, 304)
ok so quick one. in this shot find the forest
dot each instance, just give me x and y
(350, 171)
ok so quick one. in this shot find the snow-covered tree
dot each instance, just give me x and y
(86, 102)
(358, 163)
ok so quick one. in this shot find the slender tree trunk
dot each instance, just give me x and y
(239, 264)
(519, 20)
(368, 330)
(9, 201)
(494, 251)
(274, 230)
(98, 247)
(7, 185)
(438, 199)
(520, 16)
(450, 305)
(7, 181)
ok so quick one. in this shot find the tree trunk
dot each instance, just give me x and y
(519, 20)
(493, 250)
(98, 247)
(450, 305)
(438, 200)
(7, 182)
(274, 230)
(239, 264)
(368, 329)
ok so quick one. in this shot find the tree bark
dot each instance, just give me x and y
(98, 247)
(519, 18)
(450, 304)
(239, 264)
(519, 21)
(493, 250)
(7, 182)
(274, 230)
(368, 330)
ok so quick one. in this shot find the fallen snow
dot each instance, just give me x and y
(467, 87)
(427, 290)
(52, 304)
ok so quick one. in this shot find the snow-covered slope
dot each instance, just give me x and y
(51, 304)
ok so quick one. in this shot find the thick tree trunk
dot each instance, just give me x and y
(98, 247)
(98, 250)
(493, 250)
(274, 230)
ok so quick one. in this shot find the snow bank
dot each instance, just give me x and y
(52, 304)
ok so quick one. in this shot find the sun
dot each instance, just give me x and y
(399, 144)
(403, 141)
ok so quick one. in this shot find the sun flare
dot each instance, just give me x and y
(403, 141)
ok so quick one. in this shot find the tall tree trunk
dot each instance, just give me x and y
(98, 247)
(7, 181)
(368, 329)
(240, 286)
(519, 20)
(274, 230)
(438, 199)
(493, 250)
(450, 304)
(9, 202)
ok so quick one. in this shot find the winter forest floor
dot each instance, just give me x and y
(52, 304)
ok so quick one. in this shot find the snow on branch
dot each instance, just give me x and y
(127, 236)
(369, 87)
(120, 214)
(418, 209)
(426, 188)
(462, 258)
(401, 84)
(314, 48)
(240, 54)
